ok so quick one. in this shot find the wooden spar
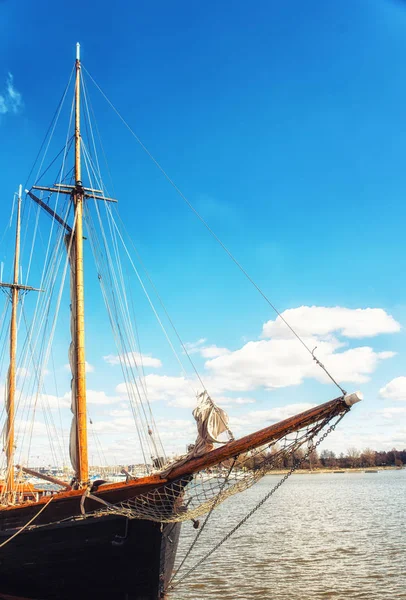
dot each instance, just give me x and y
(10, 485)
(68, 189)
(27, 288)
(82, 473)
(45, 477)
(259, 438)
(49, 211)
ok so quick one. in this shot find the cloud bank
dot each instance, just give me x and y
(133, 359)
(394, 390)
(322, 321)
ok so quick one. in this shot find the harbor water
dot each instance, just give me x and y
(322, 536)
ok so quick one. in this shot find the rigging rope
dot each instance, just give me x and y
(40, 322)
(126, 358)
(113, 315)
(54, 118)
(48, 280)
(27, 524)
(214, 235)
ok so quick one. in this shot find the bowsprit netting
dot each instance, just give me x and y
(192, 496)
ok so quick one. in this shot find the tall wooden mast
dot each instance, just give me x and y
(11, 383)
(78, 295)
(78, 193)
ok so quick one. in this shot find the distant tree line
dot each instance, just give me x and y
(278, 458)
(363, 458)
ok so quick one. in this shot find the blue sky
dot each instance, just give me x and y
(284, 125)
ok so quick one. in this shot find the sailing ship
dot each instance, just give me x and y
(57, 543)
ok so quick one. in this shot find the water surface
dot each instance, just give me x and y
(320, 537)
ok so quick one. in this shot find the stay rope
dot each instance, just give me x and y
(43, 303)
(115, 297)
(125, 339)
(207, 518)
(106, 273)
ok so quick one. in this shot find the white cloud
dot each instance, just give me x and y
(88, 367)
(118, 425)
(281, 363)
(40, 400)
(349, 435)
(392, 412)
(51, 401)
(279, 413)
(213, 351)
(174, 429)
(395, 389)
(120, 412)
(177, 391)
(182, 393)
(37, 428)
(134, 359)
(262, 418)
(176, 434)
(226, 401)
(22, 372)
(10, 98)
(195, 347)
(357, 364)
(101, 398)
(322, 321)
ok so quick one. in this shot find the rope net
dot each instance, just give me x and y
(192, 496)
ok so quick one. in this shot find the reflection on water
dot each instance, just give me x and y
(321, 537)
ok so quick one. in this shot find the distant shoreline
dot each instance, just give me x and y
(337, 471)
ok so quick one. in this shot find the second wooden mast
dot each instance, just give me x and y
(15, 289)
(78, 305)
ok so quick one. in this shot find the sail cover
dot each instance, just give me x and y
(211, 422)
(73, 445)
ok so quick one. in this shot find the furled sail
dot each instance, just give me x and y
(211, 422)
(73, 443)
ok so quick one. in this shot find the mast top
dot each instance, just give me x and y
(78, 51)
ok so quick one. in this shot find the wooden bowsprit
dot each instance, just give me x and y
(192, 487)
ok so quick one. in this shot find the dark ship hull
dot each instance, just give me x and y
(97, 557)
